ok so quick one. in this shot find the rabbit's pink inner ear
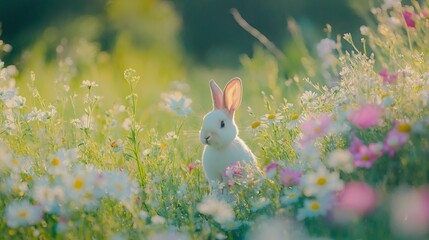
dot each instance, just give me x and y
(232, 95)
(217, 95)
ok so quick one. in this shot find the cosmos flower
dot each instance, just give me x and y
(397, 137)
(356, 199)
(367, 155)
(366, 116)
(271, 170)
(289, 177)
(315, 126)
(410, 212)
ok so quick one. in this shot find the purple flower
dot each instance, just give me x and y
(397, 137)
(367, 155)
(290, 177)
(388, 78)
(409, 18)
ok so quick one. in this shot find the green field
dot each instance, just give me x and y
(99, 144)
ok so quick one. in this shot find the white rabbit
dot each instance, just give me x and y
(219, 133)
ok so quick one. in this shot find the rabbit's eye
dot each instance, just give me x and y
(222, 124)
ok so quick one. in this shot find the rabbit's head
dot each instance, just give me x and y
(219, 129)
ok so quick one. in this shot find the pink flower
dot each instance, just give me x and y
(356, 146)
(397, 137)
(290, 177)
(409, 18)
(366, 116)
(410, 212)
(271, 169)
(191, 167)
(388, 78)
(357, 198)
(235, 169)
(367, 155)
(315, 127)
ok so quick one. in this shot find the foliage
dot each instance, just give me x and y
(346, 160)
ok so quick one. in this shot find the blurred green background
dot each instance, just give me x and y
(191, 41)
(205, 28)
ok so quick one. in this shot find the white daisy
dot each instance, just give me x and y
(290, 196)
(272, 118)
(219, 210)
(315, 207)
(177, 103)
(260, 204)
(22, 213)
(341, 159)
(321, 182)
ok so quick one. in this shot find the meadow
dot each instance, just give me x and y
(105, 145)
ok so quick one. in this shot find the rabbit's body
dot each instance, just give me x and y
(220, 134)
(216, 160)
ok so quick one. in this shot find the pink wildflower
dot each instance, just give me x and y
(315, 127)
(388, 78)
(397, 137)
(290, 177)
(410, 212)
(355, 146)
(357, 198)
(409, 18)
(366, 116)
(191, 167)
(367, 155)
(270, 169)
(235, 169)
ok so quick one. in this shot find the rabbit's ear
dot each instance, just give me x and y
(217, 95)
(232, 95)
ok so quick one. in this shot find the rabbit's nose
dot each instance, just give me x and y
(207, 139)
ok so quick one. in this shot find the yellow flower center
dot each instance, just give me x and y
(321, 181)
(255, 124)
(271, 116)
(365, 157)
(89, 195)
(292, 195)
(404, 127)
(383, 95)
(345, 107)
(294, 116)
(15, 162)
(55, 161)
(317, 130)
(315, 206)
(163, 145)
(178, 108)
(23, 214)
(114, 144)
(78, 183)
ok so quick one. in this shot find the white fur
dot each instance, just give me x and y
(222, 144)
